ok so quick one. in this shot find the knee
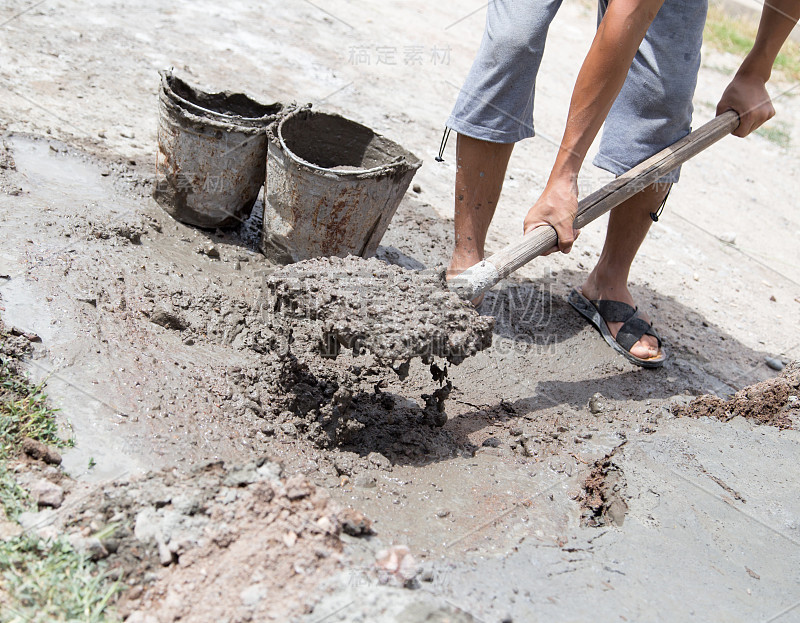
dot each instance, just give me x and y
(519, 43)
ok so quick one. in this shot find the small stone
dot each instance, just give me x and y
(91, 546)
(39, 451)
(33, 522)
(365, 481)
(397, 560)
(164, 555)
(241, 476)
(408, 568)
(775, 364)
(188, 340)
(9, 530)
(91, 299)
(167, 319)
(530, 449)
(325, 524)
(298, 487)
(416, 188)
(343, 465)
(491, 442)
(289, 429)
(728, 237)
(377, 459)
(354, 523)
(773, 299)
(269, 470)
(516, 431)
(597, 403)
(442, 513)
(252, 595)
(268, 430)
(209, 250)
(46, 493)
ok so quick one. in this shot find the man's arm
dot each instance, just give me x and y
(600, 80)
(602, 76)
(747, 93)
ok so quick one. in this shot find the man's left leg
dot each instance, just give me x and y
(652, 111)
(628, 225)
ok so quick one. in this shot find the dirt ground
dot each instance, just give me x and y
(559, 483)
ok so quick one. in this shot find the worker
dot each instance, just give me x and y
(638, 77)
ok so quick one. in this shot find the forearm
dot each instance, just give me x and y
(600, 79)
(778, 18)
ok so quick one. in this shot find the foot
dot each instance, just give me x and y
(647, 346)
(461, 261)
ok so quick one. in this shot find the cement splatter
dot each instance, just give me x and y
(603, 499)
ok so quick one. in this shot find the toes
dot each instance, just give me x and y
(645, 348)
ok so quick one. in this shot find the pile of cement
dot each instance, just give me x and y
(367, 305)
(773, 402)
(217, 543)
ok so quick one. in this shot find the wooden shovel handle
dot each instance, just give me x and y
(476, 280)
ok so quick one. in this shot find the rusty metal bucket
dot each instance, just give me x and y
(211, 156)
(332, 187)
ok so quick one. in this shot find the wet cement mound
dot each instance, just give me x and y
(370, 306)
(281, 388)
(773, 402)
(346, 408)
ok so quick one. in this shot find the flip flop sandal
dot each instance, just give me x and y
(599, 313)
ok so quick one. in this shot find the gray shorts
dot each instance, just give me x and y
(652, 111)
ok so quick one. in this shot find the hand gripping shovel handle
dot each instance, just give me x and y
(476, 280)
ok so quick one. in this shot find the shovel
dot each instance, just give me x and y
(476, 280)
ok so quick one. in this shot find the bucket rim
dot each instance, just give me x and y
(190, 107)
(207, 122)
(278, 123)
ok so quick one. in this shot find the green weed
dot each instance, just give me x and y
(737, 35)
(776, 132)
(44, 581)
(24, 412)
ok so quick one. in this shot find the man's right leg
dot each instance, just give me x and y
(480, 170)
(494, 110)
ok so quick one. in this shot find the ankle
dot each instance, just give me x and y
(607, 276)
(462, 259)
(607, 287)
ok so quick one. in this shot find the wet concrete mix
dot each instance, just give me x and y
(367, 305)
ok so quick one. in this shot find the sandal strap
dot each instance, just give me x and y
(633, 330)
(614, 311)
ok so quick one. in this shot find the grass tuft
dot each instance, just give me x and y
(40, 581)
(50, 581)
(737, 35)
(13, 498)
(776, 132)
(24, 412)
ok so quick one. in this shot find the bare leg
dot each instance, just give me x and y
(480, 170)
(627, 228)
